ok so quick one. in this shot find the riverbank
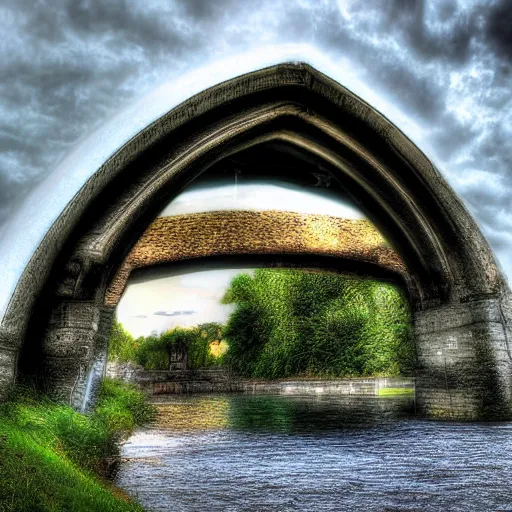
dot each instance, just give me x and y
(53, 458)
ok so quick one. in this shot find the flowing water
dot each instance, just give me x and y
(283, 453)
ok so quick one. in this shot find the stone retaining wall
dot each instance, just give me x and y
(219, 380)
(354, 386)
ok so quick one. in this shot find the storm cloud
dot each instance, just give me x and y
(68, 66)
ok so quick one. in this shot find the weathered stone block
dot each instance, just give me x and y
(69, 342)
(76, 315)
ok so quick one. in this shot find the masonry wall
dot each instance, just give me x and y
(182, 237)
(464, 361)
(219, 380)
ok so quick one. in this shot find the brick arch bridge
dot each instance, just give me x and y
(236, 233)
(56, 321)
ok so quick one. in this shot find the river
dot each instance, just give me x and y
(281, 453)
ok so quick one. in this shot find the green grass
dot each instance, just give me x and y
(53, 458)
(121, 407)
(396, 391)
(37, 478)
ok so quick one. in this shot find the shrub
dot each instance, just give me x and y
(290, 322)
(155, 352)
(200, 353)
(49, 452)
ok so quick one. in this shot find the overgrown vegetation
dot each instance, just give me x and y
(122, 408)
(203, 346)
(51, 456)
(289, 322)
(121, 345)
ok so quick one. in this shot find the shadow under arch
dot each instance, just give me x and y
(278, 261)
(460, 299)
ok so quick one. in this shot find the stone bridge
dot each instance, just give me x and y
(57, 315)
(228, 233)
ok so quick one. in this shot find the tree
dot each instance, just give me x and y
(159, 352)
(121, 345)
(290, 322)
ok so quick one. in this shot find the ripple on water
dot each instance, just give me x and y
(276, 453)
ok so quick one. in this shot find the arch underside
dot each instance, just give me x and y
(355, 244)
(459, 296)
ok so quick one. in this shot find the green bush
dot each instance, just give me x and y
(289, 322)
(49, 453)
(154, 352)
(199, 353)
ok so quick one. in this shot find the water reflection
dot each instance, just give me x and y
(313, 414)
(182, 413)
(277, 413)
(282, 453)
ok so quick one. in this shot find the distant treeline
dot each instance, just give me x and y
(292, 323)
(202, 344)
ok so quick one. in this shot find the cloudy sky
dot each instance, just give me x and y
(185, 299)
(446, 65)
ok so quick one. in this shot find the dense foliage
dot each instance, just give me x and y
(121, 345)
(202, 344)
(50, 454)
(290, 322)
(207, 347)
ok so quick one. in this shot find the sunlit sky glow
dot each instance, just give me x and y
(186, 300)
(261, 196)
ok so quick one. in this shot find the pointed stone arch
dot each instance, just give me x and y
(57, 320)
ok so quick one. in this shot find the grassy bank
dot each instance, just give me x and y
(396, 391)
(55, 459)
